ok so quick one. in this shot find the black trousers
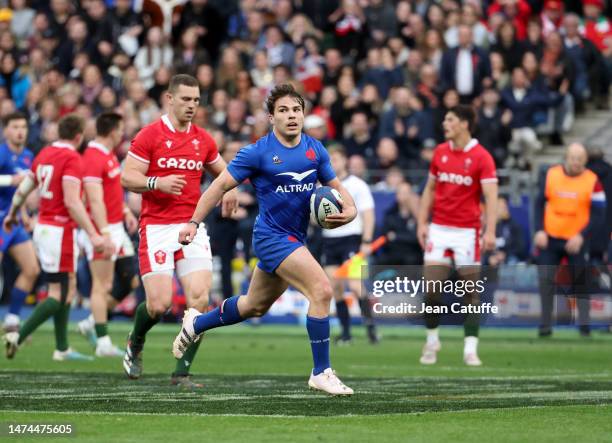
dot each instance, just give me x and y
(548, 265)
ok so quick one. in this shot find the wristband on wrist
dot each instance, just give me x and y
(105, 230)
(151, 183)
(197, 225)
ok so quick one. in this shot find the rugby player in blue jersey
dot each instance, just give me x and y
(283, 167)
(15, 162)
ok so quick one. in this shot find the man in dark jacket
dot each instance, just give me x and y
(399, 225)
(465, 68)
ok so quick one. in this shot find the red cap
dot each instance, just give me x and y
(598, 3)
(555, 5)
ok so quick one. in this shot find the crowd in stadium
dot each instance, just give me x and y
(378, 75)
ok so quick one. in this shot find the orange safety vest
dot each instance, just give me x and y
(568, 202)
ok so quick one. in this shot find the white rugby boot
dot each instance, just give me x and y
(328, 381)
(187, 336)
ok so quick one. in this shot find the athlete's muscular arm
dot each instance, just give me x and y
(368, 218)
(77, 211)
(134, 178)
(489, 191)
(27, 185)
(424, 210)
(229, 201)
(349, 211)
(222, 184)
(95, 197)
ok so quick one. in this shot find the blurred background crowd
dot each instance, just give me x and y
(378, 76)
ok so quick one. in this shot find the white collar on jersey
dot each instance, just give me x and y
(98, 146)
(166, 120)
(473, 142)
(63, 145)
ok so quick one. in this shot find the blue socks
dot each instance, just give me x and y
(18, 297)
(318, 332)
(225, 315)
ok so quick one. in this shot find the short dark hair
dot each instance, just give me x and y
(465, 113)
(337, 149)
(107, 122)
(280, 91)
(70, 126)
(182, 79)
(13, 116)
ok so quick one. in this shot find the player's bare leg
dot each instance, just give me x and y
(264, 290)
(102, 280)
(61, 290)
(471, 324)
(304, 273)
(25, 257)
(341, 307)
(433, 271)
(196, 285)
(158, 290)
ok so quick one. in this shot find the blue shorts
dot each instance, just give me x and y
(271, 249)
(9, 239)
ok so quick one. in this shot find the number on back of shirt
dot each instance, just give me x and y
(44, 173)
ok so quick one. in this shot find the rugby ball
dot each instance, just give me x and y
(323, 202)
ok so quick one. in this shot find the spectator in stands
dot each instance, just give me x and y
(510, 245)
(559, 72)
(357, 166)
(406, 124)
(361, 140)
(350, 29)
(127, 27)
(380, 17)
(499, 74)
(508, 46)
(493, 126)
(387, 156)
(399, 225)
(78, 41)
(591, 78)
(315, 127)
(522, 101)
(428, 90)
(465, 68)
(571, 203)
(208, 22)
(516, 12)
(552, 17)
(598, 28)
(534, 42)
(450, 99)
(382, 71)
(433, 48)
(16, 82)
(187, 55)
(279, 51)
(21, 19)
(155, 53)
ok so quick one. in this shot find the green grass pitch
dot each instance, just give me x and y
(255, 389)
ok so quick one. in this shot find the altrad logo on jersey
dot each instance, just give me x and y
(299, 177)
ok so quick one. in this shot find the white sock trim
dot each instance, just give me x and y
(433, 336)
(470, 345)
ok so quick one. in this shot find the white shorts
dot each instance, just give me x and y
(123, 244)
(159, 251)
(56, 248)
(448, 244)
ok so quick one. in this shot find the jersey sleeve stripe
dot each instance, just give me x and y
(599, 196)
(137, 157)
(488, 180)
(216, 159)
(92, 179)
(71, 177)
